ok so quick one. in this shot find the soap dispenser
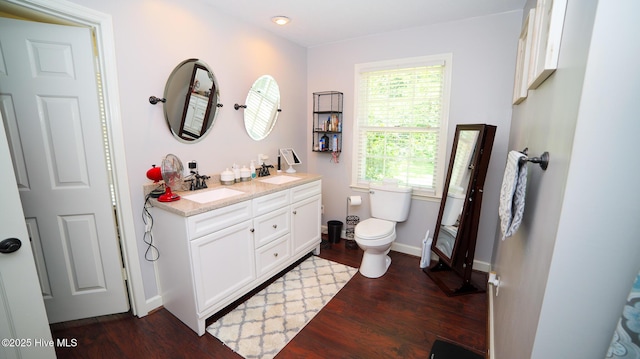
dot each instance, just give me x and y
(252, 168)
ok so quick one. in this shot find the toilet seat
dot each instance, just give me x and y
(374, 228)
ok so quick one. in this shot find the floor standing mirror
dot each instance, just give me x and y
(454, 239)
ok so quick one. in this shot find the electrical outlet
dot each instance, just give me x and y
(494, 279)
(322, 209)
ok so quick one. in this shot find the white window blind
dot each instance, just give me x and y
(402, 113)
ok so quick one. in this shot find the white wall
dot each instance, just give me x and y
(596, 255)
(483, 51)
(565, 274)
(151, 38)
(545, 121)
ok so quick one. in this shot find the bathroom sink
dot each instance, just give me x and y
(279, 179)
(213, 195)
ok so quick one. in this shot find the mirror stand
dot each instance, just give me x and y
(454, 239)
(448, 276)
(445, 278)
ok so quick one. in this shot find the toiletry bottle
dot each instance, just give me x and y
(252, 168)
(329, 124)
(325, 143)
(334, 143)
(236, 172)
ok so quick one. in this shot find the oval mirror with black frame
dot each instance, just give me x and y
(262, 107)
(193, 98)
(454, 239)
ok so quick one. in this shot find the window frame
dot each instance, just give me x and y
(440, 169)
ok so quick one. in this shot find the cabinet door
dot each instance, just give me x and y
(223, 262)
(305, 228)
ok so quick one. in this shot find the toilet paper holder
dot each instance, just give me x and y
(351, 222)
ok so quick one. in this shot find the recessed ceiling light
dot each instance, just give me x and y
(280, 20)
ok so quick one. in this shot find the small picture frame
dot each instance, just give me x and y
(520, 88)
(547, 35)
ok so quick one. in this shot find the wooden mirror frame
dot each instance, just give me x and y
(461, 260)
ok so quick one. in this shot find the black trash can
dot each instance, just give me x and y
(334, 228)
(446, 350)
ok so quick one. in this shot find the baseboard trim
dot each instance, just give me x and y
(415, 251)
(154, 303)
(491, 341)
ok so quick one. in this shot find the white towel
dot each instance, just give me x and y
(426, 251)
(512, 193)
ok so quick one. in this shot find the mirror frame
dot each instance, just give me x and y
(179, 93)
(463, 251)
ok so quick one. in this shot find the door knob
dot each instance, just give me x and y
(10, 245)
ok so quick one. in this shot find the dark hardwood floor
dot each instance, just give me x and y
(399, 315)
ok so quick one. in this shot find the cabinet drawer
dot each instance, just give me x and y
(270, 226)
(306, 191)
(270, 202)
(270, 256)
(209, 222)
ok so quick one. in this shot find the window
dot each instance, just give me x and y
(402, 111)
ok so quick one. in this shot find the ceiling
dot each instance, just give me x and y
(326, 21)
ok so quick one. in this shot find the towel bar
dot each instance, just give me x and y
(543, 160)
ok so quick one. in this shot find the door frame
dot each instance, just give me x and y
(102, 27)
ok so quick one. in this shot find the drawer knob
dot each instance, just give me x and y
(252, 230)
(275, 254)
(295, 212)
(275, 226)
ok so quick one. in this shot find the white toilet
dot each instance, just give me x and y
(389, 204)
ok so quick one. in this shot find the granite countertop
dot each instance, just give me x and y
(252, 189)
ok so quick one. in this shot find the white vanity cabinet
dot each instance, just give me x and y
(209, 260)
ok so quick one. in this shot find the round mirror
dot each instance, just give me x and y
(192, 100)
(262, 107)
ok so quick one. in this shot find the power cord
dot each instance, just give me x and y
(151, 254)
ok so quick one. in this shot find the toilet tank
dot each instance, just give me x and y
(390, 201)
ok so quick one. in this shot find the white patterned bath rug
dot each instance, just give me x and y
(264, 324)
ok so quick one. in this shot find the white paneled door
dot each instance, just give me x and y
(50, 104)
(22, 315)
